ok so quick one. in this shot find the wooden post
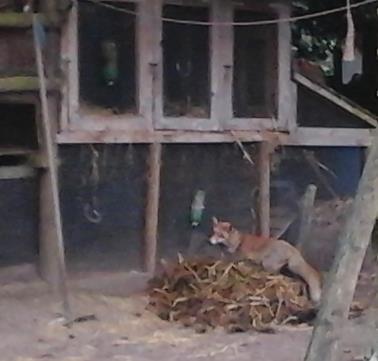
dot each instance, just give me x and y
(152, 208)
(149, 60)
(221, 53)
(264, 186)
(306, 215)
(287, 91)
(354, 240)
(50, 8)
(51, 244)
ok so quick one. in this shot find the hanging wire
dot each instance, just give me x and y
(91, 208)
(318, 14)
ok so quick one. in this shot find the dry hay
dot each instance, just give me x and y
(238, 296)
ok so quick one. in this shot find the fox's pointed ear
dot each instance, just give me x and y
(215, 221)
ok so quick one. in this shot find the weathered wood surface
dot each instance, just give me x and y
(17, 172)
(264, 188)
(24, 83)
(301, 137)
(325, 344)
(51, 244)
(149, 60)
(221, 50)
(306, 216)
(19, 20)
(287, 95)
(152, 208)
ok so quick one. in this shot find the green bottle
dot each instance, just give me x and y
(198, 206)
(110, 56)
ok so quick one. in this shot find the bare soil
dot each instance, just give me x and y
(31, 328)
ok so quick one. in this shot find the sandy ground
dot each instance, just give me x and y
(31, 329)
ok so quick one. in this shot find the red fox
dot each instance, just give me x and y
(271, 253)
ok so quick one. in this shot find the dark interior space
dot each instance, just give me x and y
(113, 239)
(217, 169)
(13, 160)
(315, 111)
(103, 195)
(16, 52)
(362, 88)
(18, 126)
(186, 63)
(20, 5)
(107, 57)
(18, 221)
(255, 67)
(340, 167)
(103, 201)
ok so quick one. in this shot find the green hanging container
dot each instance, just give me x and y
(110, 70)
(197, 208)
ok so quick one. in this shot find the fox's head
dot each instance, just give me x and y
(221, 232)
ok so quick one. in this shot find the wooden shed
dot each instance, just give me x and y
(151, 100)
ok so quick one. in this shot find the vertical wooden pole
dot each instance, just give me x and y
(50, 8)
(306, 216)
(71, 35)
(152, 208)
(149, 60)
(221, 57)
(325, 344)
(264, 185)
(52, 248)
(287, 96)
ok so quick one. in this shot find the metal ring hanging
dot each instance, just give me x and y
(92, 214)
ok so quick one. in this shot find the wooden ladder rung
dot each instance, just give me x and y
(24, 84)
(16, 151)
(17, 172)
(20, 20)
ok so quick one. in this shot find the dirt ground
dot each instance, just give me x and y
(31, 329)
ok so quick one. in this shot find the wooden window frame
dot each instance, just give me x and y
(148, 63)
(149, 79)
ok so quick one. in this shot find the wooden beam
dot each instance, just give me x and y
(264, 188)
(322, 137)
(186, 123)
(260, 124)
(149, 59)
(150, 136)
(221, 58)
(17, 172)
(20, 20)
(51, 236)
(306, 216)
(50, 7)
(24, 84)
(338, 100)
(329, 137)
(325, 344)
(287, 102)
(69, 54)
(152, 208)
(17, 151)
